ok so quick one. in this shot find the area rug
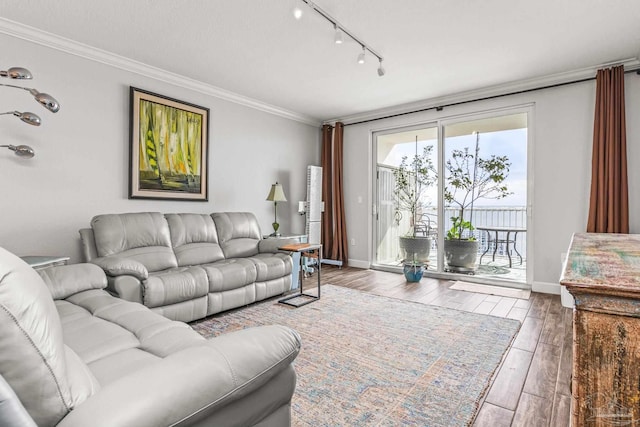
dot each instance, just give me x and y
(502, 291)
(368, 360)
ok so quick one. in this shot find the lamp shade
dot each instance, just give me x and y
(276, 194)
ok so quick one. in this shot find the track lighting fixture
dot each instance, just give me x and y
(337, 38)
(339, 31)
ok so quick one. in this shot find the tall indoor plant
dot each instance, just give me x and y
(412, 179)
(469, 178)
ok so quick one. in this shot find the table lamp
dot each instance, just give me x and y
(276, 195)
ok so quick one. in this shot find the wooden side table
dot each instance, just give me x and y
(306, 250)
(602, 272)
(39, 262)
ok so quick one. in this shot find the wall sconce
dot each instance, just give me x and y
(276, 195)
(46, 100)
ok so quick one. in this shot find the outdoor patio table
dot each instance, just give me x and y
(507, 233)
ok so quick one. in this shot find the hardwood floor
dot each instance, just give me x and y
(532, 385)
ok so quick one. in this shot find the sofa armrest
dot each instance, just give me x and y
(66, 280)
(116, 266)
(126, 287)
(272, 245)
(192, 383)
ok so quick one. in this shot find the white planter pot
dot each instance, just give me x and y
(461, 253)
(415, 248)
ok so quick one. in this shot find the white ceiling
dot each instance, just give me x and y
(431, 48)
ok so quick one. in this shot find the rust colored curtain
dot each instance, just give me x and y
(334, 226)
(609, 203)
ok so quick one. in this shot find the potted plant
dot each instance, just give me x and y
(469, 178)
(412, 178)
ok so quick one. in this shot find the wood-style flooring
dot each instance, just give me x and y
(532, 386)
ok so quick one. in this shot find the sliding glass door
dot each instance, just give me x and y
(468, 181)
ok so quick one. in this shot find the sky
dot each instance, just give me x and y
(510, 143)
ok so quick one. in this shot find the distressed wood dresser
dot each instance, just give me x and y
(602, 272)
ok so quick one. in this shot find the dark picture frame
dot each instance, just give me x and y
(169, 148)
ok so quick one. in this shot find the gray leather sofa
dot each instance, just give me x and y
(187, 266)
(76, 356)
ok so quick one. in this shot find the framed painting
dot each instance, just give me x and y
(169, 148)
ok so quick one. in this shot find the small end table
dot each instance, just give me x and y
(41, 262)
(311, 250)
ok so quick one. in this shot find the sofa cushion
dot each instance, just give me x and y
(142, 236)
(97, 325)
(90, 337)
(238, 233)
(194, 238)
(271, 265)
(230, 274)
(36, 365)
(174, 285)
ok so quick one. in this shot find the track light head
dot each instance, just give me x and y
(337, 38)
(297, 12)
(17, 73)
(361, 56)
(381, 70)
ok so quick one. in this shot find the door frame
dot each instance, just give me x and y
(441, 122)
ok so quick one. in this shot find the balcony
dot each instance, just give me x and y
(512, 217)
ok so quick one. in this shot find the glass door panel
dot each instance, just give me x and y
(485, 196)
(406, 197)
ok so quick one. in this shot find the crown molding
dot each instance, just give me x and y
(496, 90)
(72, 47)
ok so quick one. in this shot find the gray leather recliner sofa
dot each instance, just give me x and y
(77, 356)
(187, 266)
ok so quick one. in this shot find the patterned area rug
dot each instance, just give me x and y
(368, 360)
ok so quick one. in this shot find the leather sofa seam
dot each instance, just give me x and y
(44, 360)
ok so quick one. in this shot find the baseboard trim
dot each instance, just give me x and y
(541, 287)
(359, 263)
(546, 288)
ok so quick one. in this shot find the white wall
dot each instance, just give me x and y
(562, 138)
(81, 164)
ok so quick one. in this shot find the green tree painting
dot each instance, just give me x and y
(170, 156)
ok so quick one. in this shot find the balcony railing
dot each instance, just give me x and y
(391, 226)
(487, 216)
(506, 216)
